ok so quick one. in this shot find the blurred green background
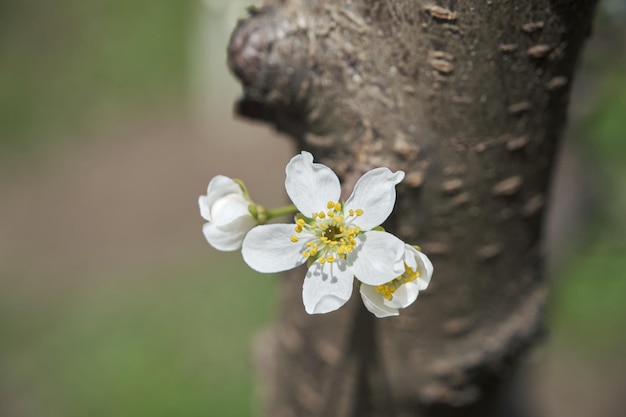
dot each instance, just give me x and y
(113, 117)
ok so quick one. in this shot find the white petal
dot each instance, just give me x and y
(411, 256)
(374, 302)
(326, 287)
(229, 238)
(205, 210)
(230, 208)
(268, 248)
(426, 269)
(375, 194)
(404, 296)
(309, 185)
(378, 257)
(220, 186)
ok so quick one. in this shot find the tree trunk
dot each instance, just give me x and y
(469, 98)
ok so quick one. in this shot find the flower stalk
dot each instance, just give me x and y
(281, 211)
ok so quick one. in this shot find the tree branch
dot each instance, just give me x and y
(469, 98)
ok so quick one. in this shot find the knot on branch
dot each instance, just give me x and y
(322, 66)
(270, 52)
(327, 75)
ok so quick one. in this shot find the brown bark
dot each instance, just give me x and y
(469, 98)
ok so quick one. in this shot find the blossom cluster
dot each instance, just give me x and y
(339, 241)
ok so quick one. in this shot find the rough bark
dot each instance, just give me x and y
(469, 98)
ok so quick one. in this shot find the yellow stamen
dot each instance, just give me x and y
(387, 289)
(333, 239)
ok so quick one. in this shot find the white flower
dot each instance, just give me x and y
(225, 208)
(335, 238)
(385, 300)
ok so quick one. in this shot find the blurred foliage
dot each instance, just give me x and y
(603, 132)
(67, 63)
(175, 342)
(589, 306)
(589, 312)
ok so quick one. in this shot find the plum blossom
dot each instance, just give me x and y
(225, 208)
(386, 299)
(337, 240)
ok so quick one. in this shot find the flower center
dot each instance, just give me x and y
(331, 231)
(390, 287)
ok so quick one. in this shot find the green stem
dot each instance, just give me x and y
(281, 211)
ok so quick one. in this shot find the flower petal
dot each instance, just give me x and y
(309, 185)
(411, 256)
(378, 257)
(268, 248)
(326, 287)
(230, 208)
(404, 295)
(205, 210)
(230, 238)
(375, 194)
(374, 302)
(426, 269)
(220, 186)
